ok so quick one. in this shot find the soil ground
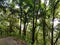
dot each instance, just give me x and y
(11, 41)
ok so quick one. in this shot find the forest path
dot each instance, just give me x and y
(11, 41)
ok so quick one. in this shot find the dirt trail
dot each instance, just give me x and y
(11, 41)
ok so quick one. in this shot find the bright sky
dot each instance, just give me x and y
(17, 6)
(42, 1)
(56, 22)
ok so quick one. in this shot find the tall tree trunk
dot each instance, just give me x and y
(44, 23)
(25, 21)
(53, 24)
(44, 32)
(52, 32)
(53, 5)
(20, 20)
(33, 31)
(53, 14)
(10, 30)
(39, 4)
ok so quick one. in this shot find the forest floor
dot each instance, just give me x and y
(11, 41)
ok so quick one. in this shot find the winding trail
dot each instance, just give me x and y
(11, 41)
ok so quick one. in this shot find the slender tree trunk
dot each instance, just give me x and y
(44, 39)
(44, 23)
(33, 31)
(20, 4)
(53, 14)
(39, 4)
(10, 26)
(54, 7)
(24, 30)
(25, 21)
(52, 34)
(20, 20)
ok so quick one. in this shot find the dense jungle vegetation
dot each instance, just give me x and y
(36, 22)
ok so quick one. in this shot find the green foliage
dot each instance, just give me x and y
(11, 20)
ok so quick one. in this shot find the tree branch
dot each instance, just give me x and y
(57, 39)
